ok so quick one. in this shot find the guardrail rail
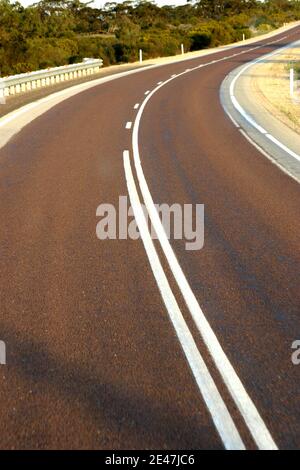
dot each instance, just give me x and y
(25, 82)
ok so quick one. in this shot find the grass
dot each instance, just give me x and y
(271, 81)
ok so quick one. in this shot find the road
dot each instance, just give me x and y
(103, 354)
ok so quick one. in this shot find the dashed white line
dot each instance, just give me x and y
(147, 92)
(136, 106)
(128, 125)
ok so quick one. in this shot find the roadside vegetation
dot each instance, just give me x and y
(58, 32)
(297, 70)
(270, 84)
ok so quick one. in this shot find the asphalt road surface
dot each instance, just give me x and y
(111, 344)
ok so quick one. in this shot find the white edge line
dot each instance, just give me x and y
(265, 154)
(246, 116)
(283, 147)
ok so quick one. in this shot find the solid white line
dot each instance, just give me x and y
(251, 416)
(214, 402)
(283, 147)
(248, 118)
(136, 106)
(265, 154)
(234, 122)
(244, 113)
(128, 125)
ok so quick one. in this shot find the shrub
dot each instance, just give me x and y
(200, 40)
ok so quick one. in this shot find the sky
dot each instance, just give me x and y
(100, 3)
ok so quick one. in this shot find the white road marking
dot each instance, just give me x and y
(147, 92)
(244, 113)
(128, 125)
(214, 402)
(159, 83)
(247, 408)
(283, 147)
(263, 152)
(235, 123)
(136, 106)
(43, 105)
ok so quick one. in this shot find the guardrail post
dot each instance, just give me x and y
(141, 55)
(292, 82)
(2, 91)
(182, 49)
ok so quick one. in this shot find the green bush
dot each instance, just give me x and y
(200, 40)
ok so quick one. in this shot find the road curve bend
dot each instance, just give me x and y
(133, 344)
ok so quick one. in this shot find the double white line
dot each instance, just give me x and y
(216, 405)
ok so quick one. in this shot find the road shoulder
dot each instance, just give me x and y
(258, 118)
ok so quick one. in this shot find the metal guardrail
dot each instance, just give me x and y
(24, 82)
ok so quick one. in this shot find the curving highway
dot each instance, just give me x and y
(142, 344)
